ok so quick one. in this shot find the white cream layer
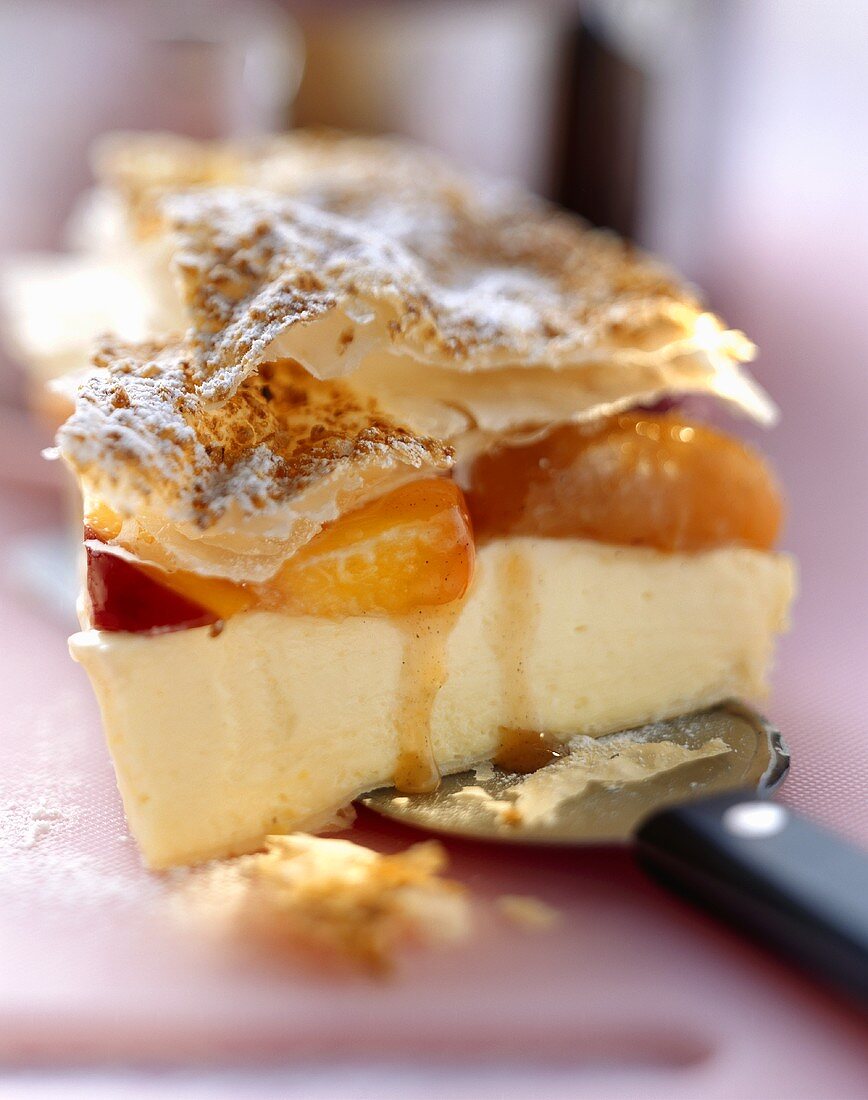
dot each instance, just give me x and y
(277, 721)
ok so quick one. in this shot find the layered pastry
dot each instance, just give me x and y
(412, 479)
(117, 275)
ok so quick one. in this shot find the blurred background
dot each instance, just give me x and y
(728, 135)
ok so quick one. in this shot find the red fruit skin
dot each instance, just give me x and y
(123, 598)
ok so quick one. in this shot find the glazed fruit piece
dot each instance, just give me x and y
(123, 597)
(219, 598)
(370, 322)
(411, 548)
(638, 479)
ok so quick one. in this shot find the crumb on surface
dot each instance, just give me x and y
(484, 770)
(333, 900)
(471, 794)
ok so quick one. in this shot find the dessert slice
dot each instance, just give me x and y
(242, 695)
(395, 500)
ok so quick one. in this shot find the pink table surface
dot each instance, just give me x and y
(93, 972)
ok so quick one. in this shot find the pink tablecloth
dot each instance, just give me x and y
(93, 971)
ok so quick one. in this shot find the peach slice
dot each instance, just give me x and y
(638, 479)
(211, 595)
(123, 597)
(411, 548)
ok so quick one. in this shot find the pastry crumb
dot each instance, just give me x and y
(612, 762)
(355, 903)
(528, 912)
(334, 900)
(471, 794)
(505, 810)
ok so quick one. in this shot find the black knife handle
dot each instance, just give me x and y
(799, 888)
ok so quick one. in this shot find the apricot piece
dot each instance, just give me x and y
(411, 548)
(637, 479)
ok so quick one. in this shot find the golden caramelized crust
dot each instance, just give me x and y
(466, 278)
(403, 271)
(143, 434)
(328, 169)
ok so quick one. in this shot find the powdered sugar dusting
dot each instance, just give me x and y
(499, 283)
(142, 432)
(23, 826)
(55, 839)
(464, 270)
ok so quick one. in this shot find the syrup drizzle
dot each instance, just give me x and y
(517, 615)
(522, 748)
(423, 673)
(524, 751)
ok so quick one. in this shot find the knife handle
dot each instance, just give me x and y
(792, 884)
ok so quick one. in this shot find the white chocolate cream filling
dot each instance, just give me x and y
(278, 720)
